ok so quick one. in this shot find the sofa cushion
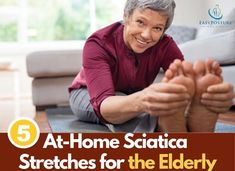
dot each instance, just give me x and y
(51, 91)
(220, 47)
(54, 63)
(181, 34)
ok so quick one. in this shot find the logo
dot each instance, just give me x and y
(215, 18)
(215, 13)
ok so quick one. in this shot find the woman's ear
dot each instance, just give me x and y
(125, 17)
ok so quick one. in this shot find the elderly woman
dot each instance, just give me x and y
(120, 62)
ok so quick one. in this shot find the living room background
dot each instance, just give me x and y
(30, 25)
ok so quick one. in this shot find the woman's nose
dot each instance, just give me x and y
(146, 34)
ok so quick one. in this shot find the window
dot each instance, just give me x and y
(55, 20)
(8, 20)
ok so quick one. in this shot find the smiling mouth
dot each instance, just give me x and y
(141, 42)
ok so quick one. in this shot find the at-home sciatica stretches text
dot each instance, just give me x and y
(77, 141)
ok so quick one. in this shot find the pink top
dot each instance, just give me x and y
(109, 66)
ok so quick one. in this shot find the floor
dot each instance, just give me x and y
(42, 122)
(26, 110)
(15, 91)
(8, 112)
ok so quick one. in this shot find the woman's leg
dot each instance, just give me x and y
(81, 106)
(83, 110)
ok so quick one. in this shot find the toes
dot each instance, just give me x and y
(188, 68)
(169, 74)
(199, 68)
(208, 65)
(216, 68)
(174, 67)
(218, 72)
(213, 67)
(180, 70)
(178, 64)
(165, 80)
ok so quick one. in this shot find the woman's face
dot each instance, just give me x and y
(143, 29)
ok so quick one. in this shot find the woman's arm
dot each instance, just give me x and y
(157, 99)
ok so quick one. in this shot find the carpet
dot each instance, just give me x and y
(62, 120)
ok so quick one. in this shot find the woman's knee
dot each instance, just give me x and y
(86, 116)
(81, 115)
(81, 107)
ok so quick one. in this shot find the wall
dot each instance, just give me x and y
(226, 5)
(189, 12)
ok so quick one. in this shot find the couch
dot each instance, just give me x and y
(53, 71)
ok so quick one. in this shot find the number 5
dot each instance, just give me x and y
(23, 132)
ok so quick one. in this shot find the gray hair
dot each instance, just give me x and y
(165, 7)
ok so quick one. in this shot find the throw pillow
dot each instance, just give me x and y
(181, 34)
(220, 47)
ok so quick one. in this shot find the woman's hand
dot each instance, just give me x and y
(219, 97)
(157, 99)
(164, 98)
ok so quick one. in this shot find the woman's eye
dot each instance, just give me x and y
(140, 22)
(158, 29)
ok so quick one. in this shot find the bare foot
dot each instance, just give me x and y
(178, 73)
(200, 119)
